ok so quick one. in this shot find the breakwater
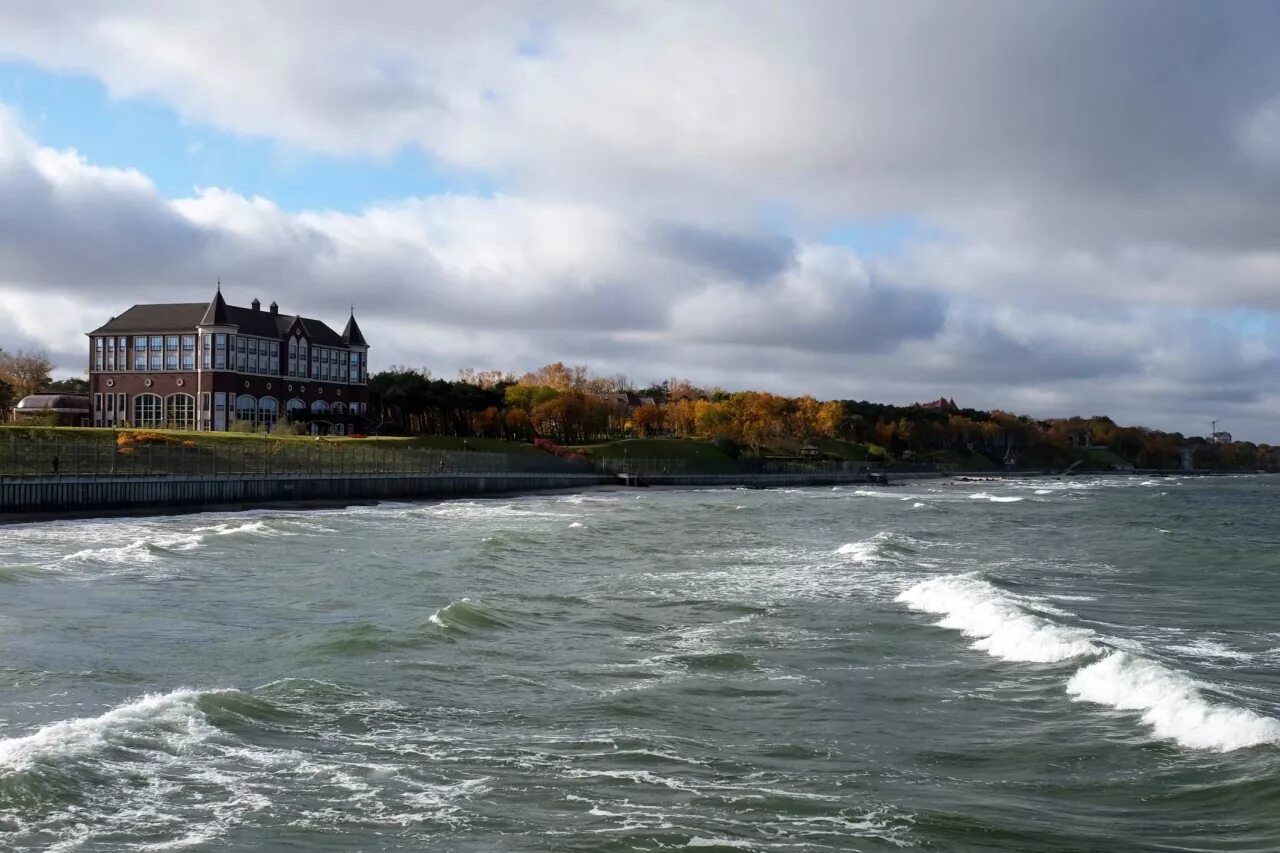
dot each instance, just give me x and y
(22, 498)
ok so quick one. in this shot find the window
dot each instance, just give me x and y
(293, 356)
(319, 407)
(339, 429)
(302, 357)
(240, 360)
(268, 411)
(156, 359)
(338, 408)
(97, 404)
(111, 402)
(171, 342)
(120, 406)
(355, 367)
(188, 361)
(124, 343)
(180, 411)
(188, 342)
(140, 344)
(246, 408)
(111, 359)
(98, 344)
(207, 344)
(171, 361)
(146, 410)
(220, 351)
(157, 342)
(295, 407)
(97, 355)
(275, 362)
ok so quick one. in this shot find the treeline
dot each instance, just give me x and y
(570, 406)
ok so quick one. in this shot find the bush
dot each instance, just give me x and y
(127, 441)
(242, 426)
(289, 428)
(727, 446)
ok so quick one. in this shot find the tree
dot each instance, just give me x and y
(26, 372)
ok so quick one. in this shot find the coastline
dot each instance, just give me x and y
(37, 499)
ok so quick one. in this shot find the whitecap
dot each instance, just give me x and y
(1171, 703)
(984, 496)
(1003, 628)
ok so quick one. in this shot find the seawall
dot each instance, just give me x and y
(32, 498)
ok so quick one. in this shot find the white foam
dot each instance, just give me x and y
(1171, 703)
(873, 550)
(1003, 628)
(176, 712)
(998, 499)
(1044, 491)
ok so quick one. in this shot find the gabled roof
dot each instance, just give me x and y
(174, 317)
(216, 313)
(185, 316)
(352, 334)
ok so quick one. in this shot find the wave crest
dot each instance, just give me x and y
(1171, 703)
(1003, 628)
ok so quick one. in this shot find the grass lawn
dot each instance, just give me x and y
(93, 435)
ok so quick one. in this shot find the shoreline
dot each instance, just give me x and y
(50, 499)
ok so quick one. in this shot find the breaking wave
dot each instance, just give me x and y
(1002, 628)
(883, 547)
(465, 615)
(1171, 703)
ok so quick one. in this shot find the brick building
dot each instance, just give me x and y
(197, 366)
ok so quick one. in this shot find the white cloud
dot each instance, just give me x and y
(1102, 177)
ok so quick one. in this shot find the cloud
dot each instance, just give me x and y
(1094, 184)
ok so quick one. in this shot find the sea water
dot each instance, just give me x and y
(1056, 665)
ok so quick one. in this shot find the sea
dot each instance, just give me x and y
(1078, 664)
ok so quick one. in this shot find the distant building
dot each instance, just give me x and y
(53, 409)
(207, 366)
(1220, 437)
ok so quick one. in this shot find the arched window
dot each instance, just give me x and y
(147, 410)
(247, 408)
(295, 407)
(338, 408)
(180, 411)
(268, 411)
(319, 407)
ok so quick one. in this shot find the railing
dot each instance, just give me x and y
(25, 457)
(40, 456)
(678, 467)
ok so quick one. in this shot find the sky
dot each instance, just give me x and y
(1050, 208)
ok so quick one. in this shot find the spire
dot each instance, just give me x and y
(351, 335)
(216, 313)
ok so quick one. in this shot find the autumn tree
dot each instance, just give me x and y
(25, 372)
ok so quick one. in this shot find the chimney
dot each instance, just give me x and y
(275, 309)
(257, 306)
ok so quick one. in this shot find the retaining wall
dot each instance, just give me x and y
(31, 497)
(88, 495)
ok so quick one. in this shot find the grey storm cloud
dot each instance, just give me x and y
(1087, 173)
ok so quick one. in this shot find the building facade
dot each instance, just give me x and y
(207, 367)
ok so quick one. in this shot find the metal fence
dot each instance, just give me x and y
(25, 457)
(677, 467)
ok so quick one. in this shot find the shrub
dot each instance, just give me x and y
(727, 446)
(128, 440)
(242, 426)
(289, 428)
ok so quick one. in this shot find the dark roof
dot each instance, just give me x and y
(53, 401)
(352, 334)
(174, 317)
(216, 313)
(185, 316)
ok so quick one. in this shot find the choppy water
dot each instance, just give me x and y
(1037, 665)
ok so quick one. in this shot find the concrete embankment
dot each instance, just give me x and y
(28, 498)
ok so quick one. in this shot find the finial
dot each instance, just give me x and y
(219, 284)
